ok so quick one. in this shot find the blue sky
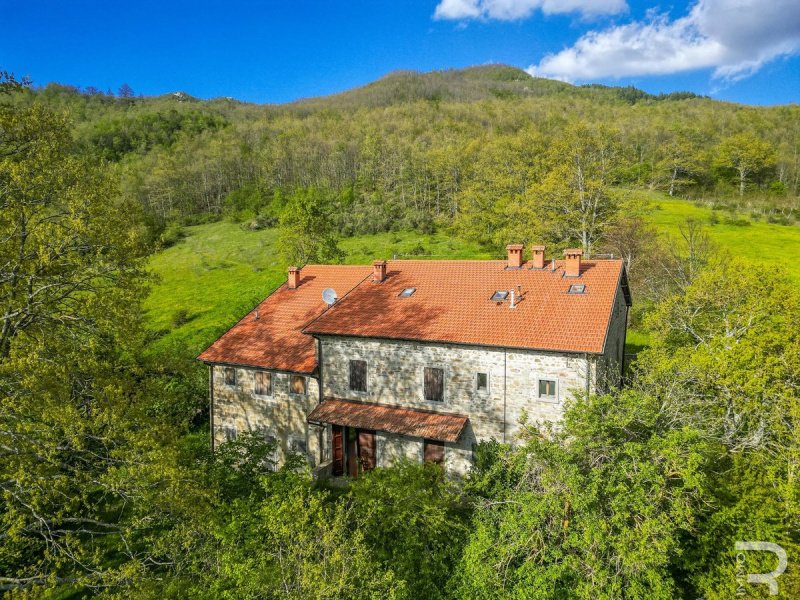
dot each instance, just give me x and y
(268, 51)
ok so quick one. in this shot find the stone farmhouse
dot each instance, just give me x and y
(419, 359)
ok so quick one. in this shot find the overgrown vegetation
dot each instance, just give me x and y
(107, 486)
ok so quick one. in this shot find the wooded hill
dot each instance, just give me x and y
(469, 148)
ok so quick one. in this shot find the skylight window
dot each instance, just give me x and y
(499, 296)
(407, 293)
(577, 288)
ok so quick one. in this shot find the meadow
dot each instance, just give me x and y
(219, 271)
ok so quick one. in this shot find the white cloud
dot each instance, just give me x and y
(734, 37)
(512, 10)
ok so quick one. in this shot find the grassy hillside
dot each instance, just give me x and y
(206, 282)
(767, 243)
(214, 276)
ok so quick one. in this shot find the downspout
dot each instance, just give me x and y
(211, 403)
(505, 386)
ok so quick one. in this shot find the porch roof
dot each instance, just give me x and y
(444, 427)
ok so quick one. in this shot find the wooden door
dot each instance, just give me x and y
(434, 452)
(366, 449)
(352, 452)
(337, 449)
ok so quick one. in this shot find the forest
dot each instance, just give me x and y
(107, 484)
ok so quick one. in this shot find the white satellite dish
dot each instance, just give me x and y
(329, 296)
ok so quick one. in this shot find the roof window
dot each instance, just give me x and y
(407, 293)
(577, 288)
(499, 296)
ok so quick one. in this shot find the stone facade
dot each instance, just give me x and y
(395, 377)
(281, 414)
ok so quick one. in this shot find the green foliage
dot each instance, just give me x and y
(414, 521)
(305, 233)
(115, 137)
(747, 157)
(598, 510)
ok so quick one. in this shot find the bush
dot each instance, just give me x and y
(172, 234)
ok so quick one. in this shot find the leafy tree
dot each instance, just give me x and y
(65, 242)
(575, 203)
(596, 510)
(682, 160)
(306, 235)
(414, 522)
(125, 91)
(748, 156)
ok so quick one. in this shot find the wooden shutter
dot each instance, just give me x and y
(434, 384)
(434, 452)
(358, 375)
(337, 450)
(366, 449)
(298, 384)
(263, 383)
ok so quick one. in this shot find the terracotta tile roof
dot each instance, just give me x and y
(275, 340)
(405, 421)
(452, 304)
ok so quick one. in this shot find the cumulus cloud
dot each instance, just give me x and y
(733, 37)
(511, 10)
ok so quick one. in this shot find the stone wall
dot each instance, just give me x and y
(610, 365)
(283, 414)
(395, 377)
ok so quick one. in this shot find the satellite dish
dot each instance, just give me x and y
(329, 296)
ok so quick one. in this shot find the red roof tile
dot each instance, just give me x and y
(452, 304)
(405, 421)
(275, 340)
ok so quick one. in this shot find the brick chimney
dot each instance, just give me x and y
(294, 278)
(378, 271)
(572, 267)
(514, 255)
(538, 257)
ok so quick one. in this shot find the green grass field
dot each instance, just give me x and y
(758, 241)
(220, 271)
(208, 280)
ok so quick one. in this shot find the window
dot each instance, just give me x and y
(230, 432)
(263, 383)
(433, 452)
(434, 384)
(547, 389)
(297, 385)
(298, 445)
(577, 288)
(230, 376)
(407, 293)
(482, 382)
(358, 375)
(499, 296)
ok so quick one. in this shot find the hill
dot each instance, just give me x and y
(473, 84)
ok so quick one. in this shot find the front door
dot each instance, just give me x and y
(366, 449)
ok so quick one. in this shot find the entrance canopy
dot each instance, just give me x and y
(404, 421)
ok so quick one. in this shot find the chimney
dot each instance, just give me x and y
(294, 278)
(514, 256)
(378, 271)
(538, 257)
(572, 267)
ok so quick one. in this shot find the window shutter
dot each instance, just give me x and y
(434, 384)
(358, 375)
